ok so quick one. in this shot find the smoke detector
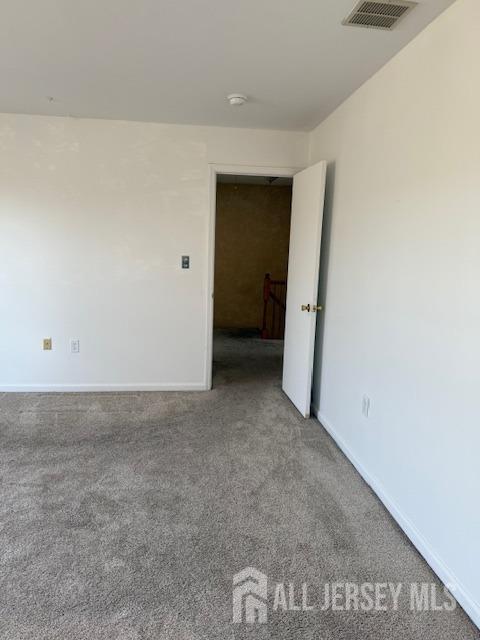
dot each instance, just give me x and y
(236, 99)
(376, 14)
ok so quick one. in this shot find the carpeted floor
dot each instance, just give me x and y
(126, 515)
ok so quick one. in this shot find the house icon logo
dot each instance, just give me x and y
(250, 596)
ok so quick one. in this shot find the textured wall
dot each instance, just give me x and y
(251, 239)
(94, 218)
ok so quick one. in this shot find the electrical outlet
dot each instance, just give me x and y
(75, 345)
(185, 262)
(47, 344)
(366, 406)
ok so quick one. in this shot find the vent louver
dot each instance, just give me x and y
(378, 15)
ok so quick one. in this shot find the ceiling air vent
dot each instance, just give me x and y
(378, 15)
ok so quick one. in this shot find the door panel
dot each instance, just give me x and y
(302, 284)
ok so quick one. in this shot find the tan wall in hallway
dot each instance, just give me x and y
(251, 239)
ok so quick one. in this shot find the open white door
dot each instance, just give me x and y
(302, 285)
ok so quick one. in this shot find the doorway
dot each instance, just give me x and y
(252, 234)
(235, 260)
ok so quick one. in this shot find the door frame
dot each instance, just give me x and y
(228, 169)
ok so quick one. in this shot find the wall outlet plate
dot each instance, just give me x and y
(47, 344)
(75, 345)
(185, 262)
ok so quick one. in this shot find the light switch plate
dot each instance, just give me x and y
(47, 344)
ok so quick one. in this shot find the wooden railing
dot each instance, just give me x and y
(274, 305)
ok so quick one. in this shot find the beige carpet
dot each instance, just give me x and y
(125, 516)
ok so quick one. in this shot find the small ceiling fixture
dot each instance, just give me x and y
(236, 99)
(379, 14)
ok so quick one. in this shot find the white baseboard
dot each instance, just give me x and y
(461, 594)
(87, 388)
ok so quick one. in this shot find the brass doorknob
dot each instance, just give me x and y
(317, 307)
(305, 307)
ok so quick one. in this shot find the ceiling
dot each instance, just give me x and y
(176, 60)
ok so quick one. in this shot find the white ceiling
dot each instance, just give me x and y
(176, 60)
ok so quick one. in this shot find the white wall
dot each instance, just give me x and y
(402, 296)
(94, 217)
